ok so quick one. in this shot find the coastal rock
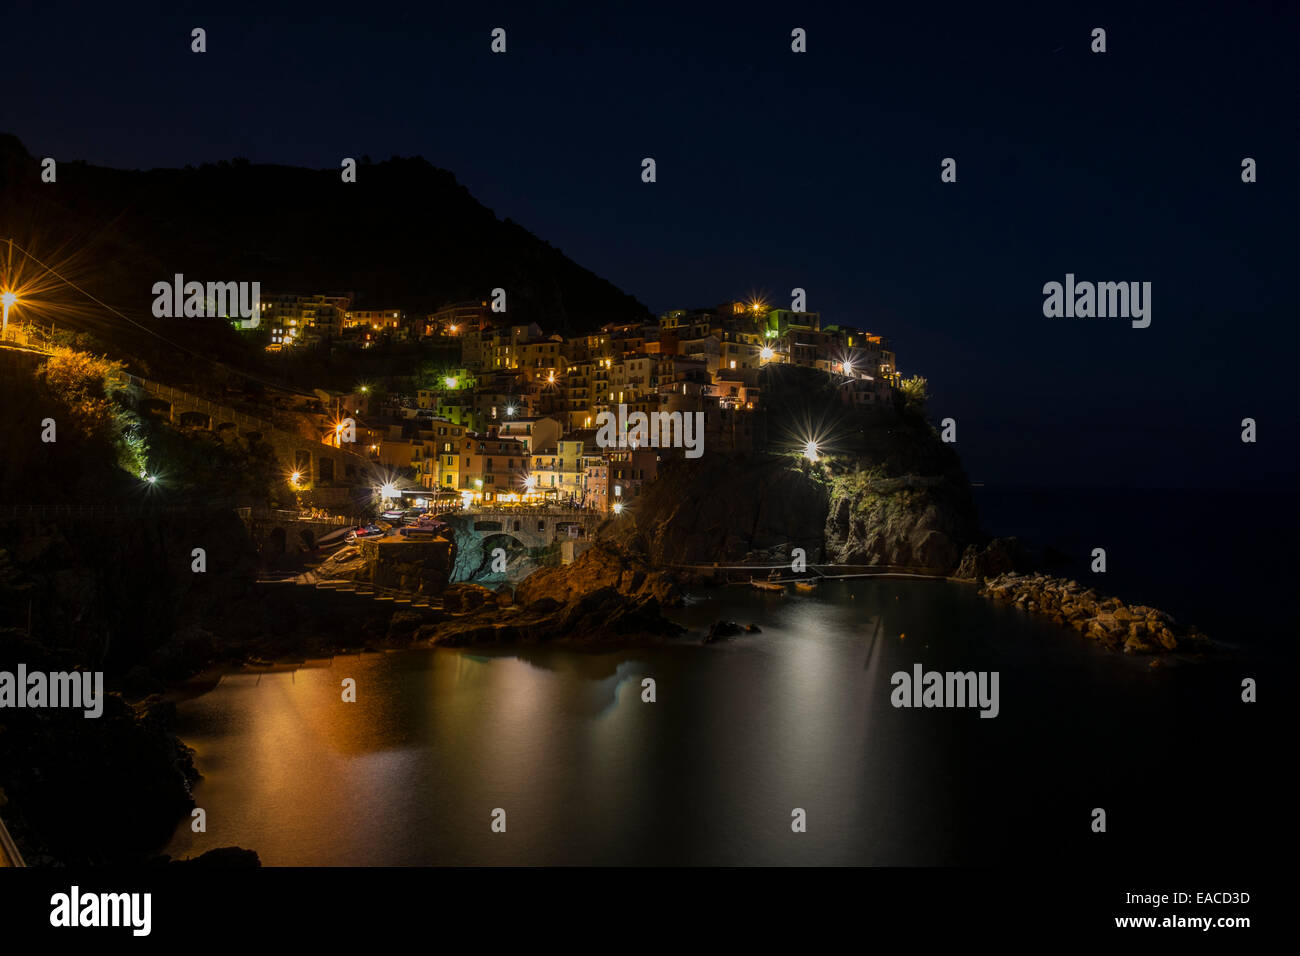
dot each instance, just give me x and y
(722, 629)
(605, 595)
(601, 566)
(1136, 644)
(1108, 620)
(405, 626)
(463, 596)
(997, 557)
(224, 856)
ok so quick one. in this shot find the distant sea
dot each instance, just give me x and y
(1220, 559)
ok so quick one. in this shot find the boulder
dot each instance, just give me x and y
(720, 629)
(464, 597)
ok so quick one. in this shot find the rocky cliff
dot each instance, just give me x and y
(892, 495)
(722, 509)
(919, 523)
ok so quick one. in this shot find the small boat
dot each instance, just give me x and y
(806, 586)
(417, 532)
(767, 585)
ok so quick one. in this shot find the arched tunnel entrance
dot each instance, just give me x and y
(505, 558)
(194, 420)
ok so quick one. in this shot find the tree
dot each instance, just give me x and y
(914, 393)
(85, 383)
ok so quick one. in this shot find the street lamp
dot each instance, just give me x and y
(8, 298)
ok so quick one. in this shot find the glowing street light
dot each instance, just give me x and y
(618, 507)
(295, 478)
(766, 353)
(530, 482)
(810, 451)
(510, 410)
(451, 381)
(9, 299)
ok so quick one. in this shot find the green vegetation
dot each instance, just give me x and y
(857, 482)
(86, 384)
(914, 394)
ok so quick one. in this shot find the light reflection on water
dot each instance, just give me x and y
(741, 733)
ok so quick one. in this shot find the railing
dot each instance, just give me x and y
(99, 511)
(285, 515)
(224, 413)
(549, 511)
(177, 397)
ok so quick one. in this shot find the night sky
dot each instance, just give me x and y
(819, 170)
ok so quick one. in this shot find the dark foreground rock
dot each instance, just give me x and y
(90, 791)
(223, 856)
(1135, 629)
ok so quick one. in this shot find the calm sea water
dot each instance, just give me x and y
(741, 734)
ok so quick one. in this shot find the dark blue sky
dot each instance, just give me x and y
(820, 170)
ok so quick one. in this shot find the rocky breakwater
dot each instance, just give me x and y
(1134, 629)
(607, 595)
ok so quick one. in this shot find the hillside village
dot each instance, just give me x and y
(514, 421)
